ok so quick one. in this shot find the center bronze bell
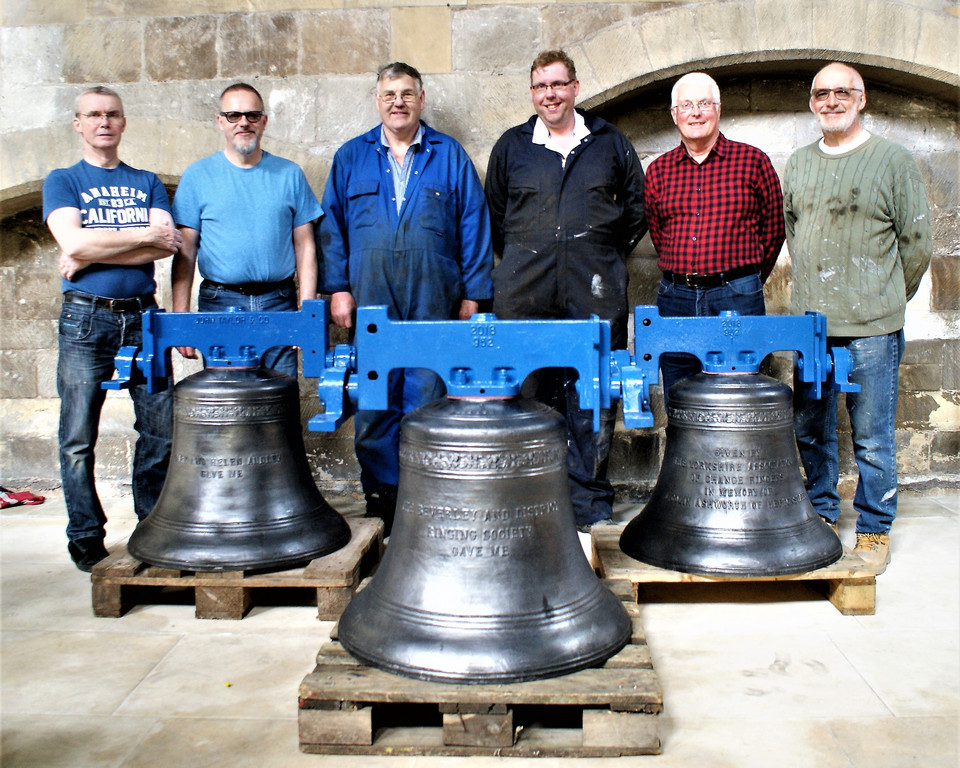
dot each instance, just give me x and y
(484, 579)
(730, 498)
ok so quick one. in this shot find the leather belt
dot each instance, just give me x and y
(135, 304)
(252, 289)
(694, 280)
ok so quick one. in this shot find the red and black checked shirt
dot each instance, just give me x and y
(724, 213)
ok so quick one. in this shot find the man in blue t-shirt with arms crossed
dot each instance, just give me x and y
(111, 222)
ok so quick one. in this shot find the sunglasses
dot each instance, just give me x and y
(234, 117)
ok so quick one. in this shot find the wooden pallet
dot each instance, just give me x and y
(349, 708)
(121, 581)
(850, 584)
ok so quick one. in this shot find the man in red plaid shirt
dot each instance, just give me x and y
(715, 212)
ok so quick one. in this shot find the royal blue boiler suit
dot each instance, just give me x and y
(420, 263)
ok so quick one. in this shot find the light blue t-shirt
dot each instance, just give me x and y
(245, 216)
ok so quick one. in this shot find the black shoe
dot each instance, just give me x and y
(87, 552)
(383, 504)
(587, 527)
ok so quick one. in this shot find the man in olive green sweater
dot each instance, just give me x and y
(858, 231)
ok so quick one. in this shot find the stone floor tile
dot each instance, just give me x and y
(738, 743)
(919, 587)
(75, 672)
(931, 504)
(59, 741)
(923, 742)
(48, 594)
(227, 676)
(760, 677)
(34, 540)
(914, 673)
(221, 743)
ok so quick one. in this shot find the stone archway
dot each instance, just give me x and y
(904, 46)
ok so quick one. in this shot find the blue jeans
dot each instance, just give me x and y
(212, 298)
(588, 452)
(377, 433)
(743, 295)
(872, 412)
(89, 339)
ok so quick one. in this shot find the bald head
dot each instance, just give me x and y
(838, 70)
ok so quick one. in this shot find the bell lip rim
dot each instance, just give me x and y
(249, 568)
(301, 559)
(730, 373)
(742, 573)
(595, 660)
(482, 398)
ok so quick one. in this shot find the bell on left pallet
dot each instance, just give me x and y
(239, 494)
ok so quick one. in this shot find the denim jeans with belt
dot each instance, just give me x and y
(216, 298)
(742, 294)
(872, 412)
(89, 338)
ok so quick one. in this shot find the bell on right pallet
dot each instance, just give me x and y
(730, 499)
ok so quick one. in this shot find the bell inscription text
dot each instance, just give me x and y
(733, 479)
(478, 533)
(227, 467)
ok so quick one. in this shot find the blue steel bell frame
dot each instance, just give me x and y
(485, 356)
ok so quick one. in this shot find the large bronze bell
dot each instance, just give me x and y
(238, 494)
(484, 579)
(730, 498)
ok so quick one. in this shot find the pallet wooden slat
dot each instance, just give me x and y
(120, 580)
(850, 583)
(347, 707)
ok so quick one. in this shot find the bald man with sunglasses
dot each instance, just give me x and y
(247, 221)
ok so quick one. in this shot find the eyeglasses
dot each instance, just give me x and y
(703, 105)
(95, 116)
(841, 94)
(557, 86)
(234, 117)
(408, 97)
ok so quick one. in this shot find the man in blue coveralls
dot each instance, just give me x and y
(405, 226)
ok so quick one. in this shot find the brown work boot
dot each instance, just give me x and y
(874, 549)
(832, 523)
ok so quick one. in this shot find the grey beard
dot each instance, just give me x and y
(841, 128)
(245, 149)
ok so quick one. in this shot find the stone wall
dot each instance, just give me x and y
(313, 61)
